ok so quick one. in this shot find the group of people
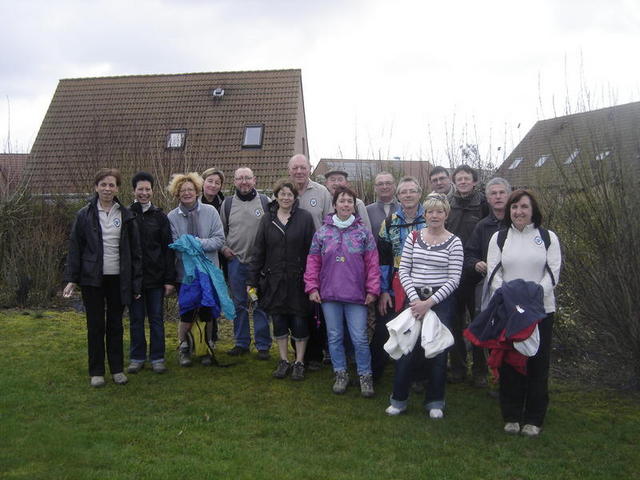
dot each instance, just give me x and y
(328, 273)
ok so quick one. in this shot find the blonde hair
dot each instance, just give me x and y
(436, 200)
(179, 179)
(213, 171)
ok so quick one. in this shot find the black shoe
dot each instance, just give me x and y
(298, 371)
(237, 351)
(282, 370)
(207, 360)
(263, 355)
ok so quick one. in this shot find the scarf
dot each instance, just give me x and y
(247, 197)
(343, 223)
(192, 218)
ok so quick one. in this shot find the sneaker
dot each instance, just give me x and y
(512, 428)
(282, 370)
(206, 360)
(366, 386)
(120, 378)
(531, 430)
(184, 355)
(298, 371)
(159, 366)
(237, 351)
(263, 355)
(97, 381)
(135, 366)
(314, 365)
(393, 411)
(436, 413)
(340, 385)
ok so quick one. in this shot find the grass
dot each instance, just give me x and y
(239, 423)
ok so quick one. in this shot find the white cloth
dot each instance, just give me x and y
(529, 347)
(435, 337)
(405, 329)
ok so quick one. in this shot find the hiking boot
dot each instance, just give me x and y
(184, 355)
(512, 428)
(97, 381)
(297, 372)
(237, 351)
(207, 360)
(531, 430)
(120, 378)
(436, 413)
(282, 370)
(393, 411)
(366, 386)
(159, 366)
(263, 355)
(341, 383)
(135, 366)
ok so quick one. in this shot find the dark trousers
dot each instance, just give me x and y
(379, 357)
(317, 336)
(205, 314)
(465, 304)
(151, 305)
(524, 398)
(104, 310)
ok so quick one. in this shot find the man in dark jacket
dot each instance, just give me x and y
(159, 274)
(468, 207)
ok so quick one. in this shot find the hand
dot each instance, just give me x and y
(68, 290)
(137, 297)
(228, 253)
(315, 297)
(384, 303)
(168, 289)
(481, 267)
(370, 299)
(419, 308)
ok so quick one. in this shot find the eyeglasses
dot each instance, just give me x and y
(412, 191)
(243, 179)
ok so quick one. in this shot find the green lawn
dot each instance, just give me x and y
(237, 422)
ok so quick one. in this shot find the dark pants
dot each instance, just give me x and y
(379, 357)
(317, 336)
(151, 305)
(104, 317)
(465, 304)
(524, 398)
(205, 314)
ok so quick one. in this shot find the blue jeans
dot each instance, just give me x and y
(436, 367)
(238, 285)
(356, 320)
(150, 303)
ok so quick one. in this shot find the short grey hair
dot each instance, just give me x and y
(407, 180)
(498, 181)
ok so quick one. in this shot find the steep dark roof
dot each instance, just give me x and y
(124, 122)
(573, 142)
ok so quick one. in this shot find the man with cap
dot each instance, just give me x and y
(338, 178)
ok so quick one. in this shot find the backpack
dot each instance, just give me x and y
(502, 237)
(226, 206)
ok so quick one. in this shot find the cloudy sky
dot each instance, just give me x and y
(412, 79)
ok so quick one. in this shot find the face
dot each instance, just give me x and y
(334, 181)
(188, 194)
(441, 183)
(107, 188)
(521, 212)
(435, 217)
(344, 206)
(384, 187)
(299, 169)
(464, 183)
(212, 185)
(408, 195)
(285, 197)
(143, 191)
(244, 180)
(497, 197)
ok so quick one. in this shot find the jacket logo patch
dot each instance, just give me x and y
(340, 259)
(538, 240)
(519, 309)
(116, 222)
(313, 202)
(258, 212)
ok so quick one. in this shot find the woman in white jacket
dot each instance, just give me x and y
(526, 255)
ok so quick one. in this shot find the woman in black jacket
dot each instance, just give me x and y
(276, 269)
(105, 260)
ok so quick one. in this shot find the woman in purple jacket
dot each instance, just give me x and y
(343, 275)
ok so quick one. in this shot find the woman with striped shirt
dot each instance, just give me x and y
(430, 270)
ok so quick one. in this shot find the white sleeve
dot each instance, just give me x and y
(494, 257)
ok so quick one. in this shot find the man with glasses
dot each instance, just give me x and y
(385, 187)
(441, 182)
(241, 215)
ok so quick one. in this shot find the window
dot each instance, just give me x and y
(176, 139)
(541, 160)
(603, 154)
(572, 157)
(515, 163)
(252, 137)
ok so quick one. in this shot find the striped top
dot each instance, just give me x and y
(425, 265)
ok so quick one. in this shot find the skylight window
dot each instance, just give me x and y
(253, 135)
(541, 160)
(602, 155)
(516, 162)
(572, 157)
(176, 139)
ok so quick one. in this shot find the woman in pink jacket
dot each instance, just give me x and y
(343, 275)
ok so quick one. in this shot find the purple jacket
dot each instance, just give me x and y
(343, 263)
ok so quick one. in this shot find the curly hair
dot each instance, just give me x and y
(179, 179)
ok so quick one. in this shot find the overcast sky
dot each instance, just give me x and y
(381, 78)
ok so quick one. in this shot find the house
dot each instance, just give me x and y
(168, 124)
(12, 167)
(560, 150)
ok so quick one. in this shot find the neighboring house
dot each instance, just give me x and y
(169, 124)
(12, 167)
(559, 150)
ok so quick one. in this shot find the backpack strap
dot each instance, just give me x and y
(226, 208)
(265, 202)
(502, 237)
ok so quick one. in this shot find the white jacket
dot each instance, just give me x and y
(404, 331)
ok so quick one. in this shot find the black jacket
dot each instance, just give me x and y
(84, 260)
(465, 213)
(158, 260)
(475, 250)
(278, 260)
